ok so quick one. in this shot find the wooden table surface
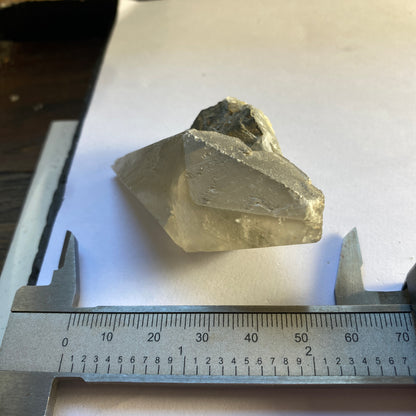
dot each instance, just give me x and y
(49, 78)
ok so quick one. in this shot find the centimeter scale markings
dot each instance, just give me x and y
(199, 344)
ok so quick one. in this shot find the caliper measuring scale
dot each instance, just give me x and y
(368, 338)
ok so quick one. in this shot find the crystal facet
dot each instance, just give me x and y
(224, 185)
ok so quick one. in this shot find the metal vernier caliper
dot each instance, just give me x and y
(366, 338)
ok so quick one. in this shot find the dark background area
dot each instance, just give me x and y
(50, 54)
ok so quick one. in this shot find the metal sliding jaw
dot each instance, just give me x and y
(63, 290)
(349, 288)
(32, 393)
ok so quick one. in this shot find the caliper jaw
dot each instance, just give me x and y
(33, 393)
(62, 293)
(349, 288)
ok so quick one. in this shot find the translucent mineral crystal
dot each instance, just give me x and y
(224, 185)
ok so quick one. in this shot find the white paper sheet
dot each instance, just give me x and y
(336, 79)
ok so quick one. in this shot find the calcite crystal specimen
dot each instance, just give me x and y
(224, 184)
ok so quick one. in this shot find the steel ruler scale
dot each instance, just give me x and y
(367, 338)
(236, 344)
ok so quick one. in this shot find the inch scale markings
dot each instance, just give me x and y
(277, 352)
(299, 344)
